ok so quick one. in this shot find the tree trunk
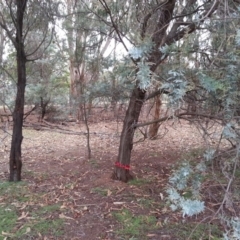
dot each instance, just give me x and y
(153, 129)
(43, 105)
(2, 40)
(15, 152)
(122, 166)
(72, 89)
(161, 35)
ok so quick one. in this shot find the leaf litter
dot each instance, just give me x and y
(56, 172)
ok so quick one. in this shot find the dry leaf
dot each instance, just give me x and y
(151, 235)
(159, 224)
(62, 216)
(78, 194)
(24, 206)
(24, 215)
(161, 196)
(118, 203)
(6, 234)
(63, 206)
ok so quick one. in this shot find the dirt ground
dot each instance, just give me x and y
(57, 172)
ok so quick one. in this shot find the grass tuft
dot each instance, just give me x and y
(134, 226)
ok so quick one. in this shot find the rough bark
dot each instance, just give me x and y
(122, 172)
(15, 152)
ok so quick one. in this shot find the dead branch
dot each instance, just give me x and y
(180, 115)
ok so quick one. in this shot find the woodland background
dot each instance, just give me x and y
(119, 119)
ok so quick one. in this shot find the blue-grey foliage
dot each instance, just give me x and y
(186, 179)
(234, 233)
(176, 85)
(209, 83)
(191, 207)
(237, 37)
(168, 50)
(209, 154)
(180, 177)
(142, 51)
(144, 75)
(228, 132)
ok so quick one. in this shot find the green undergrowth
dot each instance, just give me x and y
(193, 154)
(94, 163)
(134, 226)
(192, 231)
(36, 223)
(23, 216)
(146, 203)
(13, 190)
(139, 181)
(8, 221)
(40, 227)
(100, 191)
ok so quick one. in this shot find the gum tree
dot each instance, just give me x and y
(156, 25)
(26, 24)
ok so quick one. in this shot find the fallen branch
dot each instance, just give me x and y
(29, 112)
(180, 115)
(54, 128)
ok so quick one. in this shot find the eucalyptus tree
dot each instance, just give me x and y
(48, 85)
(87, 40)
(26, 23)
(156, 25)
(2, 82)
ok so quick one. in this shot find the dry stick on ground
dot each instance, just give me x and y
(55, 128)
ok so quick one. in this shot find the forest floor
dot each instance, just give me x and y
(65, 195)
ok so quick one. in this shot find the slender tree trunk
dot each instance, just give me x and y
(153, 129)
(121, 171)
(2, 39)
(85, 119)
(43, 105)
(72, 89)
(15, 152)
(122, 166)
(70, 39)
